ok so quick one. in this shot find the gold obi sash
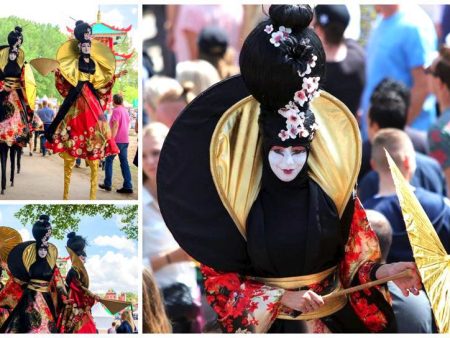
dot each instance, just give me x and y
(12, 83)
(331, 305)
(39, 285)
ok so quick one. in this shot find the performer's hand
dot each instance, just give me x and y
(304, 301)
(68, 301)
(406, 284)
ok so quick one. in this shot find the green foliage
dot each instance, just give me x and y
(66, 217)
(40, 40)
(127, 85)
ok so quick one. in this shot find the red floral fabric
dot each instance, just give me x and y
(84, 132)
(242, 305)
(9, 297)
(76, 316)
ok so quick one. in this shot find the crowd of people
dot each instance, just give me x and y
(395, 83)
(78, 129)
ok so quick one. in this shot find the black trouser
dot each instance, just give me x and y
(3, 160)
(15, 150)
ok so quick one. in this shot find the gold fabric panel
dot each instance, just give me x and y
(78, 265)
(235, 159)
(331, 305)
(103, 57)
(335, 158)
(4, 56)
(29, 255)
(30, 86)
(236, 164)
(431, 258)
(9, 238)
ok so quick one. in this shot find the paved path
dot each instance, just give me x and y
(41, 178)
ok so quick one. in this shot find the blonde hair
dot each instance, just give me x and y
(399, 146)
(196, 75)
(156, 130)
(126, 316)
(155, 319)
(159, 88)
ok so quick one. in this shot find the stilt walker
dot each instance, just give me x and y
(85, 77)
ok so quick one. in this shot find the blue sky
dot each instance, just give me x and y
(112, 258)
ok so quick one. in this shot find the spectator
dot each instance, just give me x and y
(190, 19)
(46, 114)
(173, 270)
(198, 74)
(155, 319)
(112, 329)
(345, 59)
(127, 324)
(213, 47)
(388, 110)
(120, 127)
(164, 99)
(400, 46)
(413, 314)
(439, 133)
(437, 207)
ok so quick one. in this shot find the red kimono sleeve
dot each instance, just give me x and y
(242, 305)
(362, 252)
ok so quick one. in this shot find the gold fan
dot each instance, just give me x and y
(113, 305)
(9, 238)
(44, 65)
(431, 258)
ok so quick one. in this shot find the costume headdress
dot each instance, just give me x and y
(15, 37)
(76, 243)
(83, 31)
(41, 229)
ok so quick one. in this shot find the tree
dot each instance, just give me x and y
(66, 217)
(39, 40)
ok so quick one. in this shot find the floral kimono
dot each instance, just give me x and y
(76, 316)
(9, 297)
(43, 291)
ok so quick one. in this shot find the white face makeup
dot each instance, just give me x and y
(85, 47)
(12, 56)
(286, 163)
(42, 252)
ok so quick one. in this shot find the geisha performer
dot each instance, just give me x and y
(80, 130)
(33, 263)
(17, 94)
(76, 316)
(256, 181)
(11, 291)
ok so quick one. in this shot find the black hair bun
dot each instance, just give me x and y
(79, 22)
(18, 29)
(296, 17)
(71, 235)
(45, 218)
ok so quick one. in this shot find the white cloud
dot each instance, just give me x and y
(114, 16)
(113, 271)
(119, 242)
(25, 233)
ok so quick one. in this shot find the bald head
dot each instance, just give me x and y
(383, 230)
(399, 146)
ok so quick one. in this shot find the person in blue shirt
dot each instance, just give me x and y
(437, 207)
(46, 114)
(400, 46)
